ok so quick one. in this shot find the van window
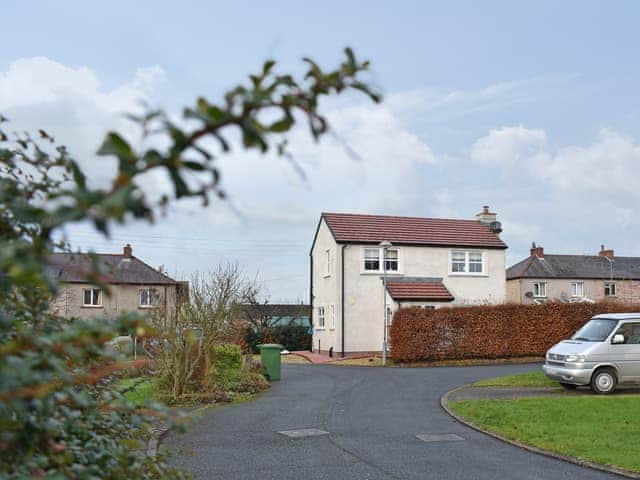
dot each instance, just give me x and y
(595, 330)
(631, 332)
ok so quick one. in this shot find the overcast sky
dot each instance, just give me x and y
(529, 107)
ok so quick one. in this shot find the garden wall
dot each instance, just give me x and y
(499, 331)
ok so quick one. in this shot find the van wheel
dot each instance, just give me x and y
(604, 381)
(568, 386)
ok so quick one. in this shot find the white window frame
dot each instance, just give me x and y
(574, 291)
(541, 287)
(609, 285)
(327, 265)
(332, 317)
(321, 318)
(467, 263)
(93, 296)
(380, 260)
(151, 293)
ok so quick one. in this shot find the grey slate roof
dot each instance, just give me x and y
(115, 269)
(576, 266)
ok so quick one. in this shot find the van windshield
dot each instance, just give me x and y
(595, 330)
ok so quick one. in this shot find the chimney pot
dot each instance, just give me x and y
(537, 251)
(127, 251)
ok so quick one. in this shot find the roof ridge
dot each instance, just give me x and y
(401, 216)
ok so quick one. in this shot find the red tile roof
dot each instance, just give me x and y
(357, 228)
(433, 290)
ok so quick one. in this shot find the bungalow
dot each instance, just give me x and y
(543, 277)
(364, 267)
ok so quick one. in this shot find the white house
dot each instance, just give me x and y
(430, 262)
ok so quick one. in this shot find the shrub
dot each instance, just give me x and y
(498, 331)
(226, 357)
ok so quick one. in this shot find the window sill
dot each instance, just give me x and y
(389, 274)
(92, 306)
(146, 307)
(319, 329)
(466, 274)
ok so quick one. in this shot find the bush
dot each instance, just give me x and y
(291, 337)
(499, 331)
(228, 375)
(226, 357)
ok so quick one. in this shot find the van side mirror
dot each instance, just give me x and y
(617, 338)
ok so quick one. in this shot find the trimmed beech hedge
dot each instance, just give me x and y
(499, 331)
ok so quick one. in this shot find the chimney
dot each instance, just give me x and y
(489, 218)
(127, 251)
(485, 216)
(606, 253)
(537, 251)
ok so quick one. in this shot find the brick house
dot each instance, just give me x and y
(573, 278)
(134, 286)
(429, 262)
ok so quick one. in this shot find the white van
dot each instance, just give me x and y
(604, 353)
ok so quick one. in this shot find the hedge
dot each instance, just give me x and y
(500, 331)
(292, 337)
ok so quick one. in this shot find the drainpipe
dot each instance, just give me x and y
(311, 295)
(342, 301)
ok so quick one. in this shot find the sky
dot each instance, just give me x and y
(529, 107)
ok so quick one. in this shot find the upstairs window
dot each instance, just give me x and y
(577, 289)
(91, 297)
(540, 289)
(320, 317)
(609, 289)
(148, 297)
(372, 259)
(327, 267)
(391, 260)
(467, 262)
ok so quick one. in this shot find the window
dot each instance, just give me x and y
(372, 259)
(147, 297)
(389, 316)
(609, 289)
(577, 289)
(320, 317)
(327, 271)
(467, 262)
(332, 317)
(91, 297)
(631, 333)
(475, 262)
(391, 260)
(540, 289)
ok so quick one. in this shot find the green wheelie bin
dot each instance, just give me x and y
(270, 355)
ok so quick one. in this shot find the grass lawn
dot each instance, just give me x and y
(528, 379)
(141, 389)
(605, 430)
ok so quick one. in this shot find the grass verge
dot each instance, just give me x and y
(137, 390)
(528, 379)
(598, 429)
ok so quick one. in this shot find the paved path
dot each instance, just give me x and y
(373, 416)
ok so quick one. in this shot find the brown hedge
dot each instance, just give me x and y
(499, 331)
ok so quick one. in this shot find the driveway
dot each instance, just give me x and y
(372, 415)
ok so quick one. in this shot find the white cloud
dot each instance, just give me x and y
(71, 104)
(609, 166)
(508, 146)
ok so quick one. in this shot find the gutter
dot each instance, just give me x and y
(342, 301)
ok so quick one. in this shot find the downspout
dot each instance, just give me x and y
(342, 301)
(311, 295)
